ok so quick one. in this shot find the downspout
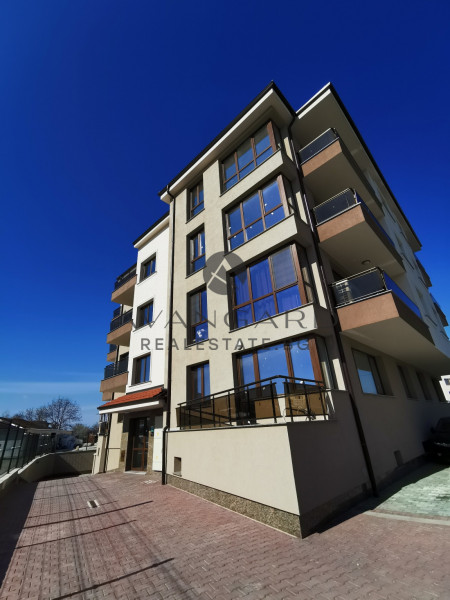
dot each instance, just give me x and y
(105, 462)
(169, 351)
(335, 319)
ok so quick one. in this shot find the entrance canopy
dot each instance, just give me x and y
(153, 398)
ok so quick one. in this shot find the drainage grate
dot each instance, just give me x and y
(93, 503)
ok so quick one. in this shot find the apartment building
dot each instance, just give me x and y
(304, 350)
(133, 387)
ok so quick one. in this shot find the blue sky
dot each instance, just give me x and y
(104, 102)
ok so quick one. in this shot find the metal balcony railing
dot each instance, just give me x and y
(366, 285)
(121, 320)
(341, 203)
(317, 145)
(112, 348)
(276, 398)
(116, 368)
(126, 276)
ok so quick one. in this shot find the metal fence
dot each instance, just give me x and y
(18, 445)
(278, 398)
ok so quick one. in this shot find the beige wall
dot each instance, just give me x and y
(393, 422)
(308, 319)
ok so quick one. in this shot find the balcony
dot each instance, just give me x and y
(423, 272)
(115, 376)
(328, 167)
(277, 399)
(112, 352)
(124, 287)
(440, 312)
(373, 310)
(120, 329)
(350, 233)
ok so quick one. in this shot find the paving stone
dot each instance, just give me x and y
(159, 542)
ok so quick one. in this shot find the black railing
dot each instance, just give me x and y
(341, 203)
(320, 143)
(424, 273)
(129, 274)
(116, 312)
(116, 368)
(275, 398)
(121, 320)
(19, 446)
(366, 285)
(112, 348)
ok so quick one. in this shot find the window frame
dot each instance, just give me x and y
(280, 180)
(272, 144)
(144, 264)
(191, 386)
(137, 369)
(380, 386)
(300, 263)
(140, 310)
(406, 382)
(313, 352)
(191, 324)
(197, 189)
(191, 245)
(424, 388)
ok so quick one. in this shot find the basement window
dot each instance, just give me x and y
(177, 466)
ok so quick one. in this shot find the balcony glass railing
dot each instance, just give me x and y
(116, 368)
(121, 320)
(129, 274)
(278, 397)
(342, 202)
(320, 143)
(366, 285)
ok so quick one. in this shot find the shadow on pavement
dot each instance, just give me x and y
(97, 585)
(14, 508)
(385, 493)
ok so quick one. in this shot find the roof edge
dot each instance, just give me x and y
(272, 86)
(329, 86)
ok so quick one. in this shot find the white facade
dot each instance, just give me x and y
(150, 338)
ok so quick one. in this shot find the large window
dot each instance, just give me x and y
(142, 369)
(198, 317)
(368, 373)
(148, 267)
(145, 314)
(196, 200)
(249, 155)
(199, 381)
(302, 359)
(263, 209)
(197, 251)
(276, 284)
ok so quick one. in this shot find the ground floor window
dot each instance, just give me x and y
(302, 359)
(368, 373)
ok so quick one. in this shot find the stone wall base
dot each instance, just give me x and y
(268, 515)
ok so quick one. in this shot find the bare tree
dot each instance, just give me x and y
(62, 412)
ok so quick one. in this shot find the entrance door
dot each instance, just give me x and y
(139, 444)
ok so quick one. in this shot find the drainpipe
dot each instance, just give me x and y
(105, 462)
(169, 351)
(335, 319)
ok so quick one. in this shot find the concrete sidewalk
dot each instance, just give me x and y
(151, 541)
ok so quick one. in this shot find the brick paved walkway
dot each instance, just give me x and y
(150, 541)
